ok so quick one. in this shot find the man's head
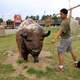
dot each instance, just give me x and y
(63, 13)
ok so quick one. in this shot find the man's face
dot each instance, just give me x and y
(63, 16)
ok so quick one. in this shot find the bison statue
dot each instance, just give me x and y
(29, 37)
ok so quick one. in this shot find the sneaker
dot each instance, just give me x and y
(77, 64)
(60, 68)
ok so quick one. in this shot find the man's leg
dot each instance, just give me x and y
(73, 52)
(61, 58)
(61, 61)
(74, 56)
(61, 50)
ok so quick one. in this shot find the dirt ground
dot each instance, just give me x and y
(20, 69)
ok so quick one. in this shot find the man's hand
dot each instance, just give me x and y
(53, 40)
(56, 36)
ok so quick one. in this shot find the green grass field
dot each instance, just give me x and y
(8, 43)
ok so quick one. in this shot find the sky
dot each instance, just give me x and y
(8, 8)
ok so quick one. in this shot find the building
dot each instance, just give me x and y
(17, 20)
(78, 19)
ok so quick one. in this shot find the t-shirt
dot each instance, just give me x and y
(65, 27)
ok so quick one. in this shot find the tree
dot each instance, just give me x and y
(37, 17)
(43, 17)
(27, 17)
(54, 16)
(10, 23)
(1, 20)
(32, 17)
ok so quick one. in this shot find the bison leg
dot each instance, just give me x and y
(24, 55)
(24, 52)
(35, 56)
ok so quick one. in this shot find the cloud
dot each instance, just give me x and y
(33, 7)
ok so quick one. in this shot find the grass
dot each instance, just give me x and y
(6, 68)
(41, 73)
(9, 43)
(20, 61)
(20, 77)
(37, 72)
(5, 71)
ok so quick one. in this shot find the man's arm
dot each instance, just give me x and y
(56, 35)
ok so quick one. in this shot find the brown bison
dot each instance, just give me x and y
(29, 37)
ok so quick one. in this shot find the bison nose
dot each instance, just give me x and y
(35, 50)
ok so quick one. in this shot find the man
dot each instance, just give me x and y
(65, 42)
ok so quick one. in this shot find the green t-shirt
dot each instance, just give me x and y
(65, 27)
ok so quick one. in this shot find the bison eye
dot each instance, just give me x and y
(29, 40)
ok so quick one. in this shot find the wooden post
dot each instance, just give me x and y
(2, 30)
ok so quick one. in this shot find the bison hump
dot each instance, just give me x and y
(29, 24)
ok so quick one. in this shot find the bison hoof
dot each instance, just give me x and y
(26, 59)
(36, 61)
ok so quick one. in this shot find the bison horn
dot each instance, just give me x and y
(47, 34)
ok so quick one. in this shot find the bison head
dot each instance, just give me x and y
(33, 40)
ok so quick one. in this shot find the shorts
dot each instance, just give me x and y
(65, 45)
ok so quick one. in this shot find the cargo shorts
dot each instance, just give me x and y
(65, 45)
